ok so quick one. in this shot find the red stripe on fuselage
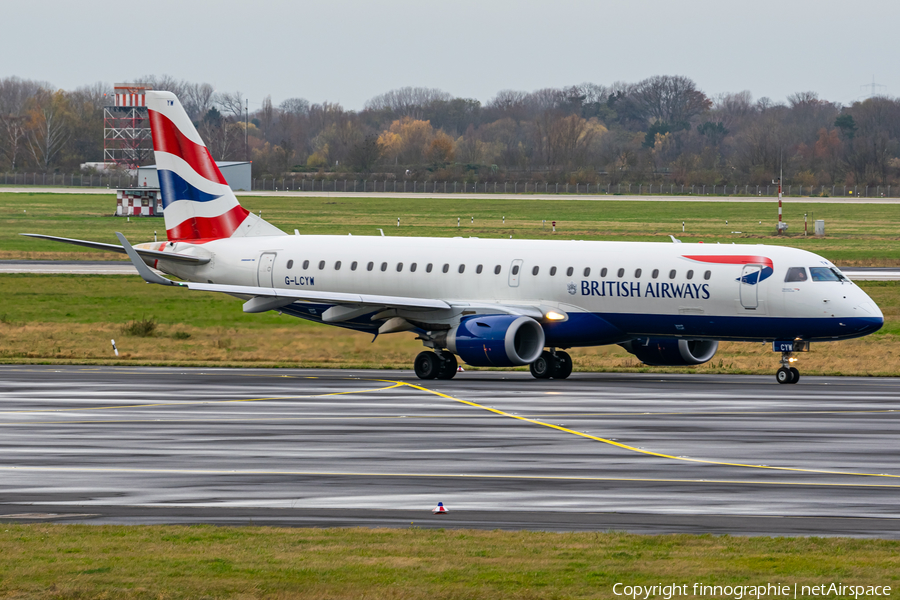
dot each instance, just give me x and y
(208, 228)
(734, 260)
(168, 138)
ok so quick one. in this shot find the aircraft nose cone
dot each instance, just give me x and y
(871, 315)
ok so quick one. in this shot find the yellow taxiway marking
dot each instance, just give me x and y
(632, 448)
(198, 402)
(239, 472)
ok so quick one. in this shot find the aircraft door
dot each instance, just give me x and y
(515, 270)
(750, 286)
(264, 273)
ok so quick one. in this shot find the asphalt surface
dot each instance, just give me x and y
(103, 267)
(636, 452)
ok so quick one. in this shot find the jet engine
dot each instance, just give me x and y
(496, 340)
(671, 352)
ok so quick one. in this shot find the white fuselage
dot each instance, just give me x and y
(640, 289)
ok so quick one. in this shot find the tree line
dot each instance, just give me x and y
(660, 129)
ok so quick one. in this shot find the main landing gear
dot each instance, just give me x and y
(435, 365)
(552, 364)
(787, 373)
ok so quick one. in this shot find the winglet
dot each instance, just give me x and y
(143, 270)
(674, 239)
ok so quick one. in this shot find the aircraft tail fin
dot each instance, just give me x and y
(198, 203)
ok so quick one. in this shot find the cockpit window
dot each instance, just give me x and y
(796, 274)
(823, 274)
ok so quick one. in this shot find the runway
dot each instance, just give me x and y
(110, 267)
(636, 452)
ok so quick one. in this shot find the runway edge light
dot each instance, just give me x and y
(440, 508)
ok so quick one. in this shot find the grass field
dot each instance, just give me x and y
(72, 318)
(73, 562)
(857, 235)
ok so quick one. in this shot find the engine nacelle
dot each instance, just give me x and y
(497, 340)
(670, 352)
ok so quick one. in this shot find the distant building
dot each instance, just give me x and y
(140, 202)
(236, 174)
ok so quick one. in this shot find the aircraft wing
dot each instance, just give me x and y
(149, 254)
(264, 298)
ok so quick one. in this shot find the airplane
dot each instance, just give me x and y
(491, 302)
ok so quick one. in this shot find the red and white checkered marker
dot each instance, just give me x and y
(440, 508)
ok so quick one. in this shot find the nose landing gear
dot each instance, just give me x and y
(787, 373)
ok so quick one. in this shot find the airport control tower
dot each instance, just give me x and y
(126, 127)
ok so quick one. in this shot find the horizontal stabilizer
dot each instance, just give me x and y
(149, 254)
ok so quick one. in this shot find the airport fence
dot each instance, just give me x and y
(107, 180)
(394, 186)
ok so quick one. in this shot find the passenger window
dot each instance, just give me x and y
(569, 271)
(370, 266)
(823, 274)
(497, 270)
(383, 266)
(707, 275)
(445, 268)
(621, 272)
(462, 268)
(353, 266)
(603, 272)
(412, 268)
(515, 270)
(428, 268)
(655, 273)
(587, 271)
(321, 264)
(305, 265)
(290, 265)
(690, 274)
(337, 266)
(552, 271)
(399, 267)
(672, 274)
(796, 274)
(637, 273)
(479, 269)
(535, 270)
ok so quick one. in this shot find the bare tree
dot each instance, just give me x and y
(671, 99)
(231, 104)
(48, 126)
(198, 99)
(407, 101)
(15, 93)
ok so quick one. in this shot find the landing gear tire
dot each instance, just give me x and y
(549, 365)
(427, 365)
(448, 366)
(563, 365)
(543, 367)
(784, 375)
(796, 375)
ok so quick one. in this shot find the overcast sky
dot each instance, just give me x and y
(347, 51)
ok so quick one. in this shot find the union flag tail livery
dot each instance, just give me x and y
(199, 204)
